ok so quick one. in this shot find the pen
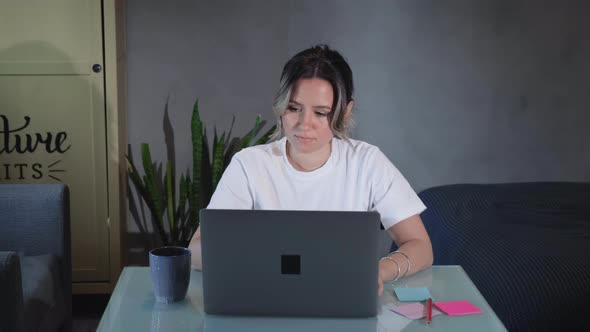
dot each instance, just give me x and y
(429, 311)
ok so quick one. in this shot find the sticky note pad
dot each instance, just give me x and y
(413, 310)
(458, 308)
(412, 294)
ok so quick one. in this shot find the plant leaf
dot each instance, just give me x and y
(217, 166)
(181, 211)
(153, 191)
(197, 139)
(134, 175)
(206, 189)
(245, 142)
(170, 192)
(231, 149)
(266, 136)
(231, 127)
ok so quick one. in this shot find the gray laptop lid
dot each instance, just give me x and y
(290, 263)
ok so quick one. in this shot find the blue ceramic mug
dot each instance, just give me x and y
(170, 269)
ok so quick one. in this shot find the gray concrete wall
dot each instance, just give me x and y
(452, 91)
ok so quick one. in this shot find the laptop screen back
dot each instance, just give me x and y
(290, 263)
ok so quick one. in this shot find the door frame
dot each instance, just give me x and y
(115, 71)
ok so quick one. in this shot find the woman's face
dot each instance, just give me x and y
(305, 121)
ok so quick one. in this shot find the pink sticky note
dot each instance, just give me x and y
(413, 310)
(458, 308)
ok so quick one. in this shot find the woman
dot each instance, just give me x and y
(315, 166)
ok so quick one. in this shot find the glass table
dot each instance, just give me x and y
(132, 307)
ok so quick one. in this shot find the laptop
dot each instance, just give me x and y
(290, 263)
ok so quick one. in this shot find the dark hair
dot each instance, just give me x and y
(324, 63)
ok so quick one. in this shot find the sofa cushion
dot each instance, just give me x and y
(44, 304)
(524, 245)
(11, 292)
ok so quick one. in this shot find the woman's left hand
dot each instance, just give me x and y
(383, 271)
(412, 239)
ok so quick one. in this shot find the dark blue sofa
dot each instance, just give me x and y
(526, 246)
(35, 263)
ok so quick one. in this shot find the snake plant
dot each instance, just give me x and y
(175, 219)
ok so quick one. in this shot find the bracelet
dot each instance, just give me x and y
(398, 269)
(407, 259)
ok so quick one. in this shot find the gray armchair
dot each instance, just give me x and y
(35, 258)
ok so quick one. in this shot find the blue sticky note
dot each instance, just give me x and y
(412, 294)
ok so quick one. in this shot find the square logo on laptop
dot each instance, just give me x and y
(290, 264)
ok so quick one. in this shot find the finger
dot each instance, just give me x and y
(380, 290)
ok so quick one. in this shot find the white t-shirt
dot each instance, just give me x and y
(356, 177)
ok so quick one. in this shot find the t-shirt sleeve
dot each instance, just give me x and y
(392, 195)
(232, 191)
